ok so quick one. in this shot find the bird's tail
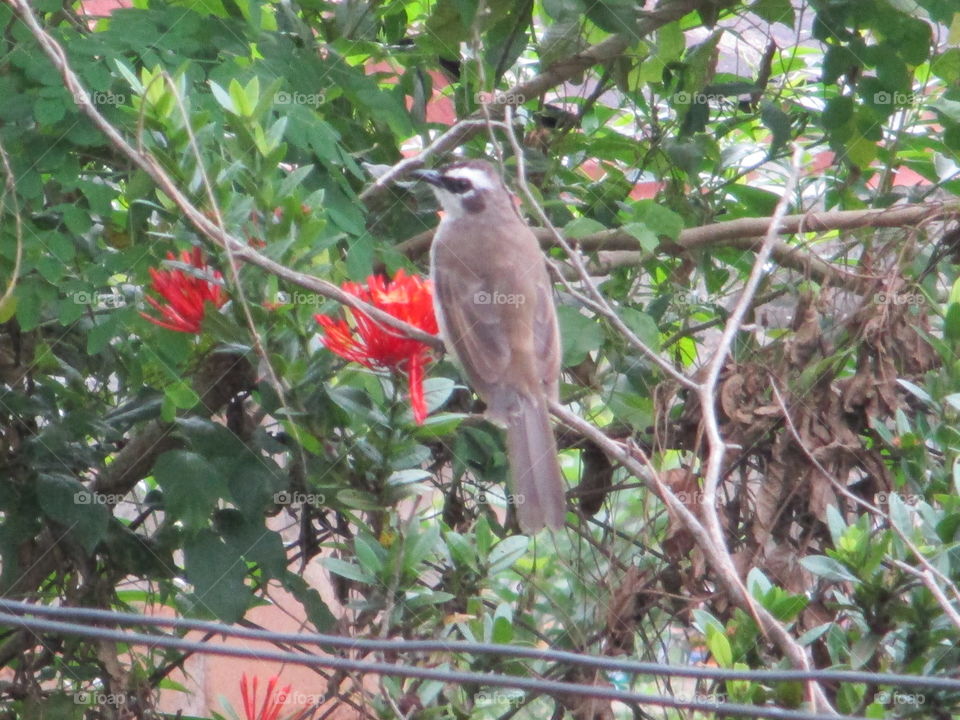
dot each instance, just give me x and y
(538, 486)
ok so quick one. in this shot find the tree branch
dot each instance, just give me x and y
(746, 234)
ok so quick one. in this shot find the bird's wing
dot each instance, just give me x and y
(546, 336)
(478, 342)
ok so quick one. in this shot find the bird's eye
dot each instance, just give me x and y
(457, 186)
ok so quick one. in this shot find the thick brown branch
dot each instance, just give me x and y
(746, 234)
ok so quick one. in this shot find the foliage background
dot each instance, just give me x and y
(837, 498)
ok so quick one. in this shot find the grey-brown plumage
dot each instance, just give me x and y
(494, 303)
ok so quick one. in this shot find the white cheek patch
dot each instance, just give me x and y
(478, 178)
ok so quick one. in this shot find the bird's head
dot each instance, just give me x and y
(466, 188)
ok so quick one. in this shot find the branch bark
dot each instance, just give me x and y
(748, 233)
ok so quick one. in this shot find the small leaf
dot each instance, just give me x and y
(191, 486)
(579, 335)
(719, 647)
(828, 568)
(506, 552)
(223, 98)
(217, 574)
(647, 238)
(347, 570)
(581, 227)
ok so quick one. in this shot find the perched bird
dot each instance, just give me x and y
(495, 309)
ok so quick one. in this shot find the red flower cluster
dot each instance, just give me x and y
(185, 294)
(272, 702)
(406, 297)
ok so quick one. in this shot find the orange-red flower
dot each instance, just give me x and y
(406, 297)
(272, 702)
(185, 294)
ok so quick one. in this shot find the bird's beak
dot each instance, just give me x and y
(431, 176)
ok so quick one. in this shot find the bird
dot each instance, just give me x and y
(494, 304)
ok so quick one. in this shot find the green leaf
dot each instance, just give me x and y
(506, 552)
(775, 11)
(901, 516)
(217, 574)
(581, 227)
(358, 500)
(370, 555)
(837, 113)
(49, 111)
(347, 570)
(660, 219)
(182, 396)
(642, 325)
(224, 98)
(8, 308)
(778, 123)
(946, 65)
(648, 238)
(191, 487)
(239, 97)
(579, 335)
(951, 322)
(65, 501)
(251, 540)
(828, 568)
(719, 647)
(436, 392)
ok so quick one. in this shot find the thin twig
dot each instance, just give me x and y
(10, 188)
(718, 559)
(600, 303)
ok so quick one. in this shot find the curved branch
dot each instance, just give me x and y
(717, 558)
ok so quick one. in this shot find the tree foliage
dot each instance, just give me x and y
(202, 472)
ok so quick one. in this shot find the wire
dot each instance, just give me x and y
(453, 646)
(535, 685)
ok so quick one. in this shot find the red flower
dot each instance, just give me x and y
(272, 702)
(408, 298)
(186, 294)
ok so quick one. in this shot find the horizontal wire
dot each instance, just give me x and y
(458, 646)
(535, 685)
